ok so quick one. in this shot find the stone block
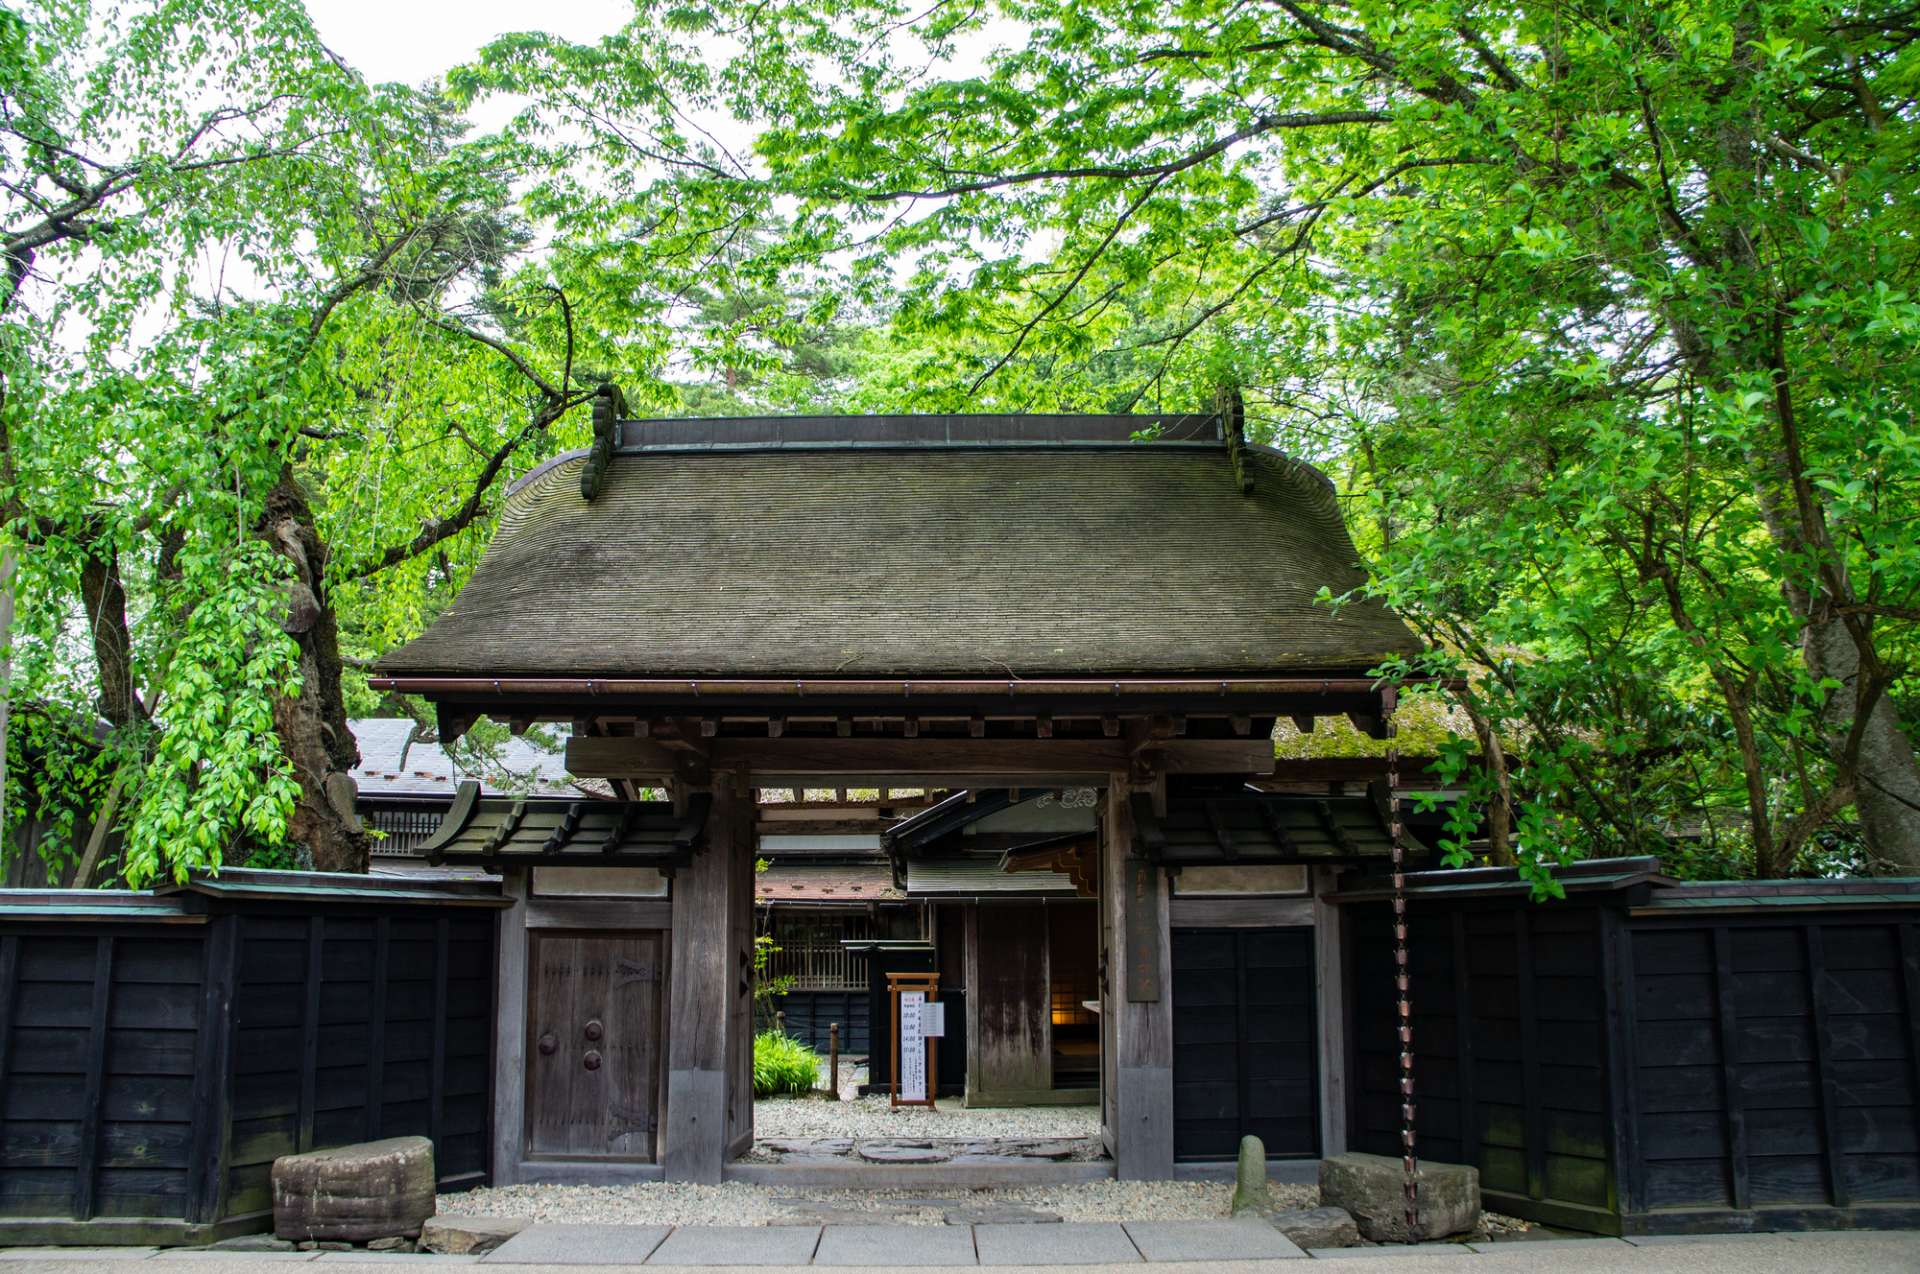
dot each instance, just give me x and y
(1250, 1192)
(354, 1193)
(1315, 1227)
(1372, 1189)
(464, 1235)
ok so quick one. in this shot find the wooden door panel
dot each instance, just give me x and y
(593, 1051)
(633, 1057)
(553, 994)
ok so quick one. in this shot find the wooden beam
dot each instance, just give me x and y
(1371, 724)
(911, 762)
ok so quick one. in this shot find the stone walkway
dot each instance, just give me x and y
(1178, 1247)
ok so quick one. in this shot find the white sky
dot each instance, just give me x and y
(415, 40)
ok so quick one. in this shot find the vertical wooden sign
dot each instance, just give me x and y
(1144, 931)
(915, 1077)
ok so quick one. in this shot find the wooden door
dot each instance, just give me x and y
(593, 1048)
(1244, 1044)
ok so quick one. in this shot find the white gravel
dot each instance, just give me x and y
(794, 1118)
(736, 1203)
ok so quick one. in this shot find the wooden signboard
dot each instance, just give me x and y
(914, 1050)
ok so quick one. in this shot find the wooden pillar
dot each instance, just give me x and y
(1139, 997)
(1331, 1002)
(709, 1091)
(509, 1033)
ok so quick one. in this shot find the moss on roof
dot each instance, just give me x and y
(1022, 560)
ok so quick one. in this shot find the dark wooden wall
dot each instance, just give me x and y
(1510, 1052)
(352, 1027)
(810, 1013)
(1775, 1069)
(98, 1042)
(1671, 1069)
(150, 1072)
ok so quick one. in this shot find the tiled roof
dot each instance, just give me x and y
(852, 884)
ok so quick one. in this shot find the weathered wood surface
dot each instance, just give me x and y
(595, 1030)
(710, 976)
(1011, 1030)
(960, 762)
(1239, 913)
(1331, 1003)
(1140, 1121)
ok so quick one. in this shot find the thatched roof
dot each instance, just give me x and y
(912, 546)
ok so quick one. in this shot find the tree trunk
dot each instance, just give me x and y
(1886, 777)
(313, 726)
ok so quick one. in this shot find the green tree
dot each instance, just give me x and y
(1605, 313)
(268, 333)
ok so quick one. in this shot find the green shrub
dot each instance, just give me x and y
(783, 1066)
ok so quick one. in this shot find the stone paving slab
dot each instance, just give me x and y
(579, 1245)
(230, 1254)
(888, 1246)
(1546, 1247)
(92, 1253)
(1404, 1249)
(1210, 1241)
(737, 1245)
(1069, 1243)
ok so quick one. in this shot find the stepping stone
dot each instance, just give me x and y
(1076, 1243)
(460, 1235)
(1001, 1214)
(736, 1245)
(1314, 1227)
(894, 1246)
(884, 1153)
(579, 1245)
(1057, 1153)
(1209, 1241)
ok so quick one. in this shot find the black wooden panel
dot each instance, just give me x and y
(1245, 1050)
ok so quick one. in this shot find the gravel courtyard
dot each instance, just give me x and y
(737, 1203)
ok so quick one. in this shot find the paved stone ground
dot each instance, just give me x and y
(1092, 1249)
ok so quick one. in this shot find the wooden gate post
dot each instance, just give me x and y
(1138, 997)
(709, 1000)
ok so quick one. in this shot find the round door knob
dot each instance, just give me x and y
(548, 1044)
(595, 1030)
(592, 1060)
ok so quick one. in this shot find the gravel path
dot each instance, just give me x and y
(793, 1118)
(736, 1203)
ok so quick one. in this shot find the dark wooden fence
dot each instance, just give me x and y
(1650, 1057)
(159, 1050)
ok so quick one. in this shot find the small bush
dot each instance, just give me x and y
(783, 1066)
